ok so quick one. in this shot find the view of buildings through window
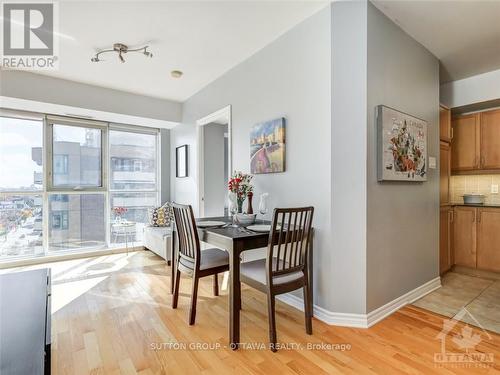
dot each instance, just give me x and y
(78, 210)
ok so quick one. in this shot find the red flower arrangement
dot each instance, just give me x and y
(119, 211)
(240, 185)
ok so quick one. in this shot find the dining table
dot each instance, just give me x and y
(235, 240)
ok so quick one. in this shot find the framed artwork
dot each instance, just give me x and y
(267, 147)
(181, 161)
(402, 146)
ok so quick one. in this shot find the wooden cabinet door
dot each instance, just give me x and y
(445, 133)
(464, 236)
(490, 140)
(465, 143)
(444, 173)
(488, 239)
(445, 224)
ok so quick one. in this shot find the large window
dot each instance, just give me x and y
(63, 178)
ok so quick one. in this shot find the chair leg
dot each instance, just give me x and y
(308, 309)
(272, 320)
(194, 295)
(176, 281)
(216, 285)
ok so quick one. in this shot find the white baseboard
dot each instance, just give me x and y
(363, 320)
(384, 311)
(329, 317)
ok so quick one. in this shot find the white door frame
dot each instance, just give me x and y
(200, 170)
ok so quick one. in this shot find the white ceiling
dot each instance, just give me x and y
(464, 35)
(202, 39)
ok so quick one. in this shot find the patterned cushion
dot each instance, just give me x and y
(161, 216)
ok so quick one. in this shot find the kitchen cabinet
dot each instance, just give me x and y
(445, 129)
(488, 238)
(490, 140)
(445, 239)
(475, 142)
(444, 173)
(464, 236)
(465, 145)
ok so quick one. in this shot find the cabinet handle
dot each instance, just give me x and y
(451, 131)
(474, 217)
(452, 216)
(482, 161)
(479, 217)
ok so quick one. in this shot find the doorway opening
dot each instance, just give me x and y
(214, 162)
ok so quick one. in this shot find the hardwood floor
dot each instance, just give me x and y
(112, 315)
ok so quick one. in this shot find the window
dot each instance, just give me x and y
(60, 220)
(77, 222)
(134, 160)
(21, 230)
(133, 184)
(21, 154)
(60, 164)
(67, 204)
(21, 185)
(77, 156)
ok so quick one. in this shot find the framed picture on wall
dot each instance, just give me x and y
(267, 147)
(402, 146)
(181, 161)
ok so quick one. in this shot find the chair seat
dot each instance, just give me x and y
(210, 258)
(256, 270)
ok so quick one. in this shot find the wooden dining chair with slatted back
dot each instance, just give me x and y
(286, 267)
(191, 260)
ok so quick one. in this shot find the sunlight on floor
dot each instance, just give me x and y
(73, 278)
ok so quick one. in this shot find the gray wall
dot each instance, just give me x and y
(348, 144)
(215, 185)
(291, 77)
(30, 86)
(403, 226)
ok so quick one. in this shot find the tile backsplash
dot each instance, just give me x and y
(479, 184)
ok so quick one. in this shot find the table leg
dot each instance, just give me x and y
(234, 294)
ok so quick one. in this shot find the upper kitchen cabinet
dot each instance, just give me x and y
(445, 129)
(490, 140)
(465, 146)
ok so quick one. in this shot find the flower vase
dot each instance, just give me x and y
(240, 204)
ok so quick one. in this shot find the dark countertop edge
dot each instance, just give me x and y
(486, 205)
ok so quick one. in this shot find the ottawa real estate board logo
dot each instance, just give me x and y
(30, 35)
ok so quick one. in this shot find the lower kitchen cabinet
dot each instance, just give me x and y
(445, 239)
(488, 239)
(464, 236)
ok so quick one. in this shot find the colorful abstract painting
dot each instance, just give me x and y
(267, 147)
(402, 143)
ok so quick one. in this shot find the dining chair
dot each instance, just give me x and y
(191, 261)
(286, 267)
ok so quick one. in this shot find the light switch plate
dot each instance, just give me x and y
(494, 189)
(432, 162)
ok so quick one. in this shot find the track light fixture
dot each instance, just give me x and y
(121, 49)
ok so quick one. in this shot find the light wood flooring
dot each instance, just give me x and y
(112, 315)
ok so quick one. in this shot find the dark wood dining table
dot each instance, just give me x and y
(235, 241)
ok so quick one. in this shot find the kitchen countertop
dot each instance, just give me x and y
(492, 205)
